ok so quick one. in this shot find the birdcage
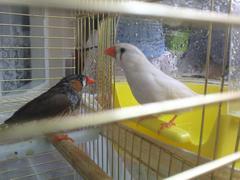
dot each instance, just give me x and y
(195, 42)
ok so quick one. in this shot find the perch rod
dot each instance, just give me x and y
(134, 8)
(36, 128)
(79, 160)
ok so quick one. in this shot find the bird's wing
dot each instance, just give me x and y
(179, 90)
(46, 105)
(172, 88)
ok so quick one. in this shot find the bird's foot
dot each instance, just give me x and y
(168, 124)
(62, 137)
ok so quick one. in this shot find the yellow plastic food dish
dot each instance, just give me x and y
(187, 130)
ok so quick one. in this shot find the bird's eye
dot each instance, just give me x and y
(122, 50)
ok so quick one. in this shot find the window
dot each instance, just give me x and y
(36, 50)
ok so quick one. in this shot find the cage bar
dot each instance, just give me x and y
(72, 40)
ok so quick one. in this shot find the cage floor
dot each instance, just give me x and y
(48, 165)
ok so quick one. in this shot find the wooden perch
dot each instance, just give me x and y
(85, 166)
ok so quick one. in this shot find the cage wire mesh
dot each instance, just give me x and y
(41, 45)
(124, 153)
(48, 165)
(38, 47)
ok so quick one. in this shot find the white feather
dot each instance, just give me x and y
(148, 84)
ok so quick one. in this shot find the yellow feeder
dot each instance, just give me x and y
(186, 133)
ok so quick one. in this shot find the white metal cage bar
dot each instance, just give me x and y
(140, 8)
(73, 122)
(103, 150)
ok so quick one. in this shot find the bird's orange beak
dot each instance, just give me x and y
(110, 52)
(89, 80)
